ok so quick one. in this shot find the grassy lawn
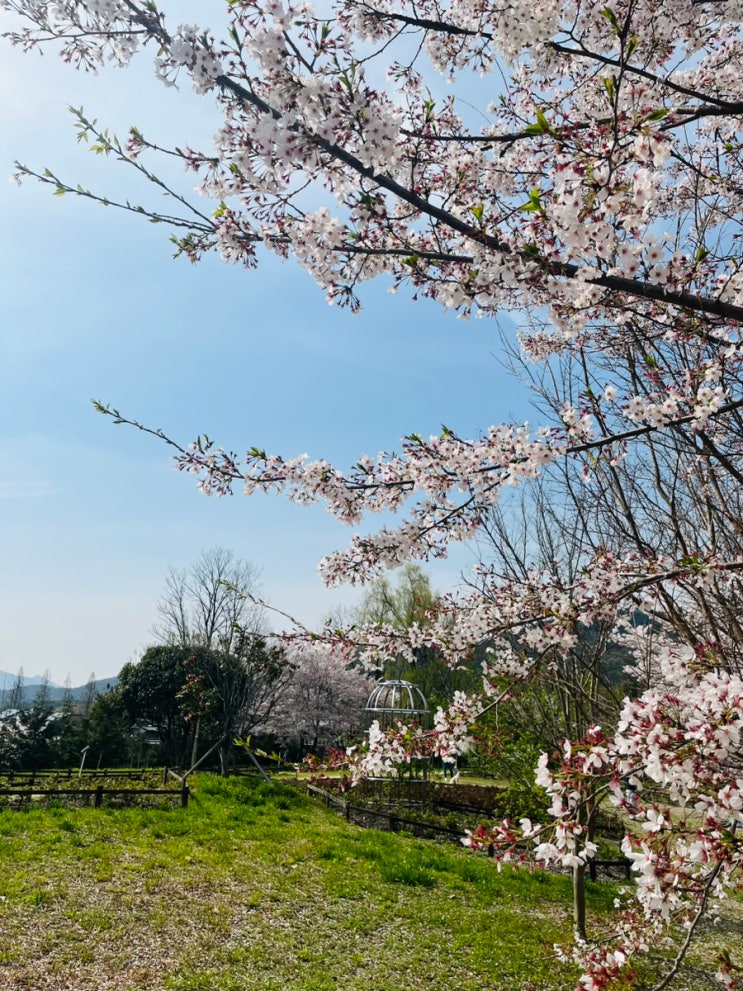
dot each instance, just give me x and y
(255, 888)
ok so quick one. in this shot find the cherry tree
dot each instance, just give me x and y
(321, 703)
(582, 167)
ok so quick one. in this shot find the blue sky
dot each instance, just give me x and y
(93, 305)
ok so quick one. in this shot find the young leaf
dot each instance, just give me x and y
(611, 17)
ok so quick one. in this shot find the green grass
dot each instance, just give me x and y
(255, 888)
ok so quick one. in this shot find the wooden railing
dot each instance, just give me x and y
(24, 788)
(371, 818)
(31, 777)
(379, 819)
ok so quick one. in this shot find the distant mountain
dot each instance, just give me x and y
(56, 692)
(7, 679)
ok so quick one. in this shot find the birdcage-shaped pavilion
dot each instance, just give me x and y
(396, 701)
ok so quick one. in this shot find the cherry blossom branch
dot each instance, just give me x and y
(626, 67)
(229, 470)
(615, 283)
(535, 261)
(692, 928)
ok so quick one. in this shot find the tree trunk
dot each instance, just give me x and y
(579, 871)
(579, 900)
(195, 749)
(225, 757)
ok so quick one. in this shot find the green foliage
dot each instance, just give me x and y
(149, 692)
(107, 732)
(148, 689)
(413, 601)
(225, 692)
(401, 605)
(29, 738)
(42, 736)
(410, 870)
(517, 802)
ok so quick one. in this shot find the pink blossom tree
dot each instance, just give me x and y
(589, 176)
(322, 703)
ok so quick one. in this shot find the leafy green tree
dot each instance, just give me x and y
(32, 732)
(150, 693)
(227, 694)
(106, 730)
(412, 601)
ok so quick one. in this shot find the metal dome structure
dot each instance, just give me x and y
(397, 701)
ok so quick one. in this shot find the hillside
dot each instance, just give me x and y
(254, 887)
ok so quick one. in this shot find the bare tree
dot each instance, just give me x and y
(207, 603)
(571, 689)
(15, 694)
(678, 496)
(241, 688)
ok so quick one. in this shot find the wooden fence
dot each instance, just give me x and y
(378, 819)
(70, 773)
(18, 797)
(24, 788)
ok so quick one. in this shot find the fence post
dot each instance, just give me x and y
(98, 797)
(165, 774)
(592, 869)
(184, 795)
